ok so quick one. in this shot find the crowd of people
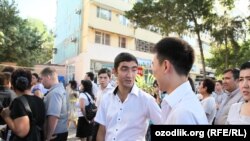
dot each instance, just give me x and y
(124, 111)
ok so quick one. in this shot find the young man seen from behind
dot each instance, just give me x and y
(173, 59)
(124, 114)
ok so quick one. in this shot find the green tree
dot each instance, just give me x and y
(220, 51)
(44, 53)
(21, 42)
(228, 32)
(178, 16)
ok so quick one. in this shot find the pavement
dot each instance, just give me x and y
(72, 134)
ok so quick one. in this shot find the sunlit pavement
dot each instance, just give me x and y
(72, 134)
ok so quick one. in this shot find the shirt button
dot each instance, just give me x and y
(113, 138)
(116, 129)
(119, 119)
(120, 108)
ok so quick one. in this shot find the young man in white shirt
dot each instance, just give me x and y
(124, 114)
(173, 59)
(105, 87)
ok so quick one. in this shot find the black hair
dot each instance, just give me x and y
(219, 81)
(234, 71)
(21, 79)
(91, 75)
(105, 70)
(4, 78)
(177, 51)
(124, 56)
(9, 69)
(245, 65)
(155, 84)
(73, 84)
(36, 75)
(191, 83)
(209, 83)
(87, 84)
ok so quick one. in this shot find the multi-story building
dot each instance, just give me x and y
(90, 33)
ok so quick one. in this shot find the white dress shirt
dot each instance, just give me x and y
(209, 106)
(94, 88)
(234, 116)
(127, 121)
(182, 107)
(100, 93)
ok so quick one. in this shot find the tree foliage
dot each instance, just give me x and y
(228, 32)
(178, 16)
(219, 52)
(20, 40)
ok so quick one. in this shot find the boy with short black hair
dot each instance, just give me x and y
(124, 114)
(172, 62)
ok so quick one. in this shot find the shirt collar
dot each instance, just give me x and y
(177, 95)
(56, 85)
(233, 92)
(109, 86)
(135, 90)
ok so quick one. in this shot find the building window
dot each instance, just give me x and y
(144, 46)
(125, 0)
(102, 38)
(103, 13)
(123, 20)
(122, 42)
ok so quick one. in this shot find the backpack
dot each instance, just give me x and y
(90, 109)
(35, 133)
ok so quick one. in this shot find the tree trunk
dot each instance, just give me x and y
(197, 31)
(202, 55)
(227, 53)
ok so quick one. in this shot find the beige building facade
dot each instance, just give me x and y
(102, 33)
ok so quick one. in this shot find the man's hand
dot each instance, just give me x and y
(5, 112)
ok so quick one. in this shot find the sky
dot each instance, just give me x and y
(44, 10)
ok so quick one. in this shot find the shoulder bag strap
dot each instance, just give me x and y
(26, 104)
(88, 98)
(27, 107)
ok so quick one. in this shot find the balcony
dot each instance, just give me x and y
(117, 5)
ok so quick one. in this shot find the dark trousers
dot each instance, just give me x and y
(61, 137)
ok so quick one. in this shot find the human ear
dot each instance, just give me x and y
(167, 66)
(114, 72)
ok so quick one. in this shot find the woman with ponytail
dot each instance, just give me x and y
(17, 116)
(84, 127)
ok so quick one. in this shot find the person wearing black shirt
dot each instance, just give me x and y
(16, 116)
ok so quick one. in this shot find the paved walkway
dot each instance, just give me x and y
(72, 134)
